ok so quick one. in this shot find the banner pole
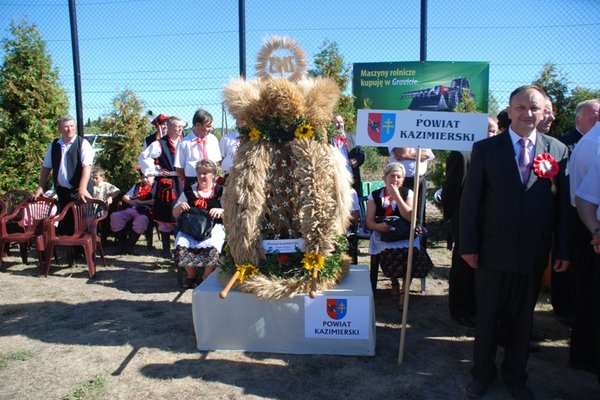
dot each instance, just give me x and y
(411, 241)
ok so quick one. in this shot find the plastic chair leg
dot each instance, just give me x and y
(99, 247)
(23, 250)
(48, 259)
(88, 248)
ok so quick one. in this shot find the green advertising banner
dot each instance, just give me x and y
(424, 86)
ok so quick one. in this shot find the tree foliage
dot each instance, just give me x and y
(554, 83)
(31, 101)
(129, 127)
(580, 94)
(493, 107)
(330, 63)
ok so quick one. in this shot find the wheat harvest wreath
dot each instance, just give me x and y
(287, 182)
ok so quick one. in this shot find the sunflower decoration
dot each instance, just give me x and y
(287, 186)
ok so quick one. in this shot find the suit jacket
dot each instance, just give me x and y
(457, 165)
(570, 139)
(511, 225)
(456, 172)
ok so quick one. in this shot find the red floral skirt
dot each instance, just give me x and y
(393, 263)
(196, 258)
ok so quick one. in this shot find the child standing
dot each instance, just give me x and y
(103, 190)
(106, 192)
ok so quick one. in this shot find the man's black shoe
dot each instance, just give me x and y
(521, 392)
(476, 389)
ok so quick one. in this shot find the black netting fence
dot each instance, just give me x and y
(176, 56)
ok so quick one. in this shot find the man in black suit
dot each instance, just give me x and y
(509, 217)
(461, 282)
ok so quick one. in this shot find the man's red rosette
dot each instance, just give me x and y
(545, 166)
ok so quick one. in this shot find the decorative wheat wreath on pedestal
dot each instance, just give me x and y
(287, 184)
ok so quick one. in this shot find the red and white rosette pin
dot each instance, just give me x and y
(545, 166)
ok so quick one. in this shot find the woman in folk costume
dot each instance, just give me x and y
(198, 258)
(394, 200)
(159, 159)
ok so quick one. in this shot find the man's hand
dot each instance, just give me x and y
(84, 195)
(561, 265)
(472, 260)
(39, 191)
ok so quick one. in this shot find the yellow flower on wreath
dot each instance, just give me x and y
(254, 135)
(304, 131)
(313, 261)
(246, 271)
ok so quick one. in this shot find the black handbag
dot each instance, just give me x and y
(400, 228)
(195, 222)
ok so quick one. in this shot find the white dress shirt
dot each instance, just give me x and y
(189, 152)
(228, 145)
(87, 158)
(582, 158)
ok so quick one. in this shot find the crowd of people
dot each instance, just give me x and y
(519, 201)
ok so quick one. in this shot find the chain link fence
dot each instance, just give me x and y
(176, 56)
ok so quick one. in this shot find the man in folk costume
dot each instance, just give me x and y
(353, 154)
(159, 159)
(160, 124)
(70, 158)
(201, 144)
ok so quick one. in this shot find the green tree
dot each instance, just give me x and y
(553, 82)
(127, 124)
(493, 107)
(578, 95)
(31, 101)
(330, 63)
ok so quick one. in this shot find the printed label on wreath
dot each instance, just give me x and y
(283, 245)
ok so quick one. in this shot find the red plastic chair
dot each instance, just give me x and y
(12, 199)
(29, 217)
(86, 217)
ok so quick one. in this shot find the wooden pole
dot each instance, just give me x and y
(223, 293)
(411, 240)
(313, 284)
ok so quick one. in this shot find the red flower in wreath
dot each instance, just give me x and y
(545, 166)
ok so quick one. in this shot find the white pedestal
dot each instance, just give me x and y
(245, 322)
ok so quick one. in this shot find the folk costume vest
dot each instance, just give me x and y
(72, 164)
(379, 206)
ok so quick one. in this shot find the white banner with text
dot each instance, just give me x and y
(425, 129)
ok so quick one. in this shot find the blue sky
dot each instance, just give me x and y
(177, 56)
